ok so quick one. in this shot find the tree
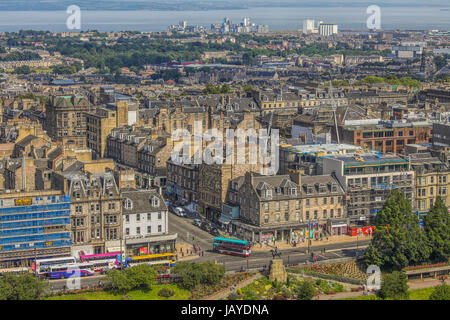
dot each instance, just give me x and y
(213, 273)
(394, 286)
(441, 292)
(194, 274)
(437, 228)
(22, 287)
(304, 291)
(398, 240)
(141, 277)
(118, 282)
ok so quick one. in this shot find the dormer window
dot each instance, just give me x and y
(128, 204)
(268, 193)
(294, 191)
(155, 202)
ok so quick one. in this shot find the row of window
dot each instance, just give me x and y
(308, 216)
(138, 230)
(139, 215)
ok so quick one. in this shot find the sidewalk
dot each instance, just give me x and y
(412, 284)
(331, 240)
(186, 249)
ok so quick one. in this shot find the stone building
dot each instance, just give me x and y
(95, 211)
(66, 119)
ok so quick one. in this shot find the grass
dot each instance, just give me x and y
(180, 294)
(417, 294)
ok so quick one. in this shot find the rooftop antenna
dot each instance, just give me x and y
(333, 107)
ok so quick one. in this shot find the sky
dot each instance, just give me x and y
(19, 5)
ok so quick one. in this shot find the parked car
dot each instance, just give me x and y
(214, 232)
(206, 227)
(197, 222)
(179, 212)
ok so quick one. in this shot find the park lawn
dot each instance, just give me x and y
(180, 294)
(417, 294)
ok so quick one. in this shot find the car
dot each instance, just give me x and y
(214, 232)
(206, 227)
(197, 222)
(179, 212)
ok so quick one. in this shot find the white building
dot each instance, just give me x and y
(145, 223)
(328, 29)
(308, 26)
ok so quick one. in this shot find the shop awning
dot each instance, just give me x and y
(224, 220)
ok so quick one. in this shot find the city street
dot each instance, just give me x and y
(191, 234)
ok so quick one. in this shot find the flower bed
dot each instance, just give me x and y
(348, 272)
(435, 265)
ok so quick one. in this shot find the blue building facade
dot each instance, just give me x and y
(33, 225)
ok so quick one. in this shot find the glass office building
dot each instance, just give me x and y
(33, 225)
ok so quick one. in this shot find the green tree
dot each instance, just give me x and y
(437, 227)
(191, 274)
(22, 287)
(304, 291)
(140, 277)
(394, 286)
(194, 274)
(212, 273)
(441, 292)
(398, 240)
(118, 282)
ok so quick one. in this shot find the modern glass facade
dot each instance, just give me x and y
(35, 226)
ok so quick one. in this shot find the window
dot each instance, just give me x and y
(316, 214)
(138, 230)
(331, 213)
(286, 205)
(324, 214)
(149, 216)
(149, 229)
(277, 217)
(324, 200)
(297, 204)
(286, 216)
(307, 202)
(127, 231)
(127, 218)
(339, 212)
(266, 218)
(266, 207)
(159, 216)
(138, 217)
(307, 215)
(159, 228)
(277, 206)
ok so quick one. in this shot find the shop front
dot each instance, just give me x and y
(150, 245)
(337, 227)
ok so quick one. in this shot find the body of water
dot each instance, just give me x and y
(404, 18)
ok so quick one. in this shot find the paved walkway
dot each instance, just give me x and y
(186, 248)
(226, 292)
(412, 284)
(331, 240)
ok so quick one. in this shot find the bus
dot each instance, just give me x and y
(157, 259)
(102, 262)
(71, 270)
(43, 265)
(232, 247)
(17, 270)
